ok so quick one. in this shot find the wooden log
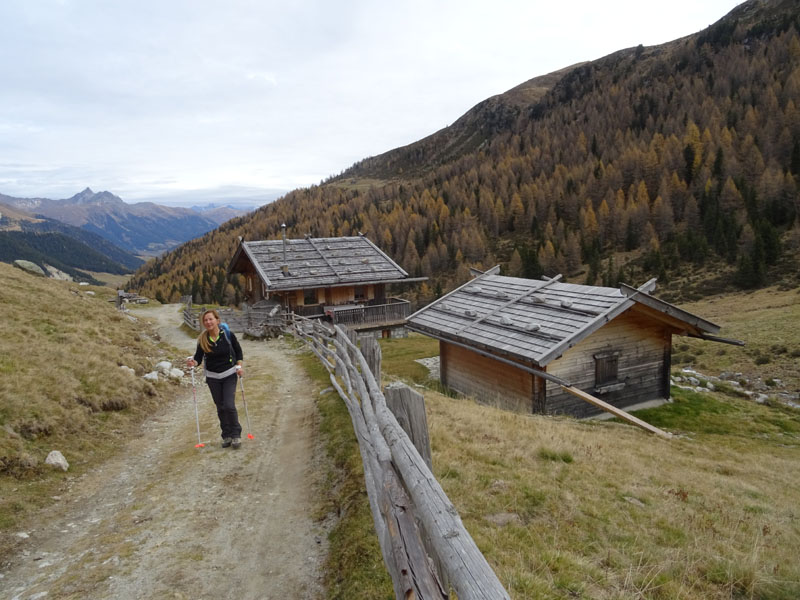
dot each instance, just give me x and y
(401, 541)
(416, 576)
(408, 407)
(370, 465)
(465, 566)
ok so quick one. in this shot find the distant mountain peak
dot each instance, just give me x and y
(87, 196)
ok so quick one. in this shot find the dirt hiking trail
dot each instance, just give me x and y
(164, 519)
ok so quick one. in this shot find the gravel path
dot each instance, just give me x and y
(167, 520)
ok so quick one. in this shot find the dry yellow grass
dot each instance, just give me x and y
(767, 320)
(567, 509)
(61, 385)
(580, 509)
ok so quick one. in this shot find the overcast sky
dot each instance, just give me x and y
(168, 98)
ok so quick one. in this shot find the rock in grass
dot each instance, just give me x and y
(164, 367)
(57, 460)
(151, 376)
(29, 267)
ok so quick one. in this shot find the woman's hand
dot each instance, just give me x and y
(191, 362)
(239, 371)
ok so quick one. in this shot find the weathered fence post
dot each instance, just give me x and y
(408, 407)
(371, 350)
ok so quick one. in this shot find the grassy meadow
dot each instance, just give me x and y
(767, 320)
(61, 385)
(562, 509)
(598, 509)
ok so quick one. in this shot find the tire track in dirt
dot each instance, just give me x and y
(166, 520)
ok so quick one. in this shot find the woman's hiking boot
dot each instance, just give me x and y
(236, 442)
(226, 442)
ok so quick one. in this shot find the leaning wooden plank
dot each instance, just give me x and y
(617, 412)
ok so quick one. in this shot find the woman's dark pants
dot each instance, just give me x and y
(223, 391)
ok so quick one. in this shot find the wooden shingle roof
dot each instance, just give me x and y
(317, 262)
(536, 321)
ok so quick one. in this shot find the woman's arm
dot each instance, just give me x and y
(193, 361)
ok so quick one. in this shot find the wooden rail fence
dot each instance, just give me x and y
(253, 320)
(424, 544)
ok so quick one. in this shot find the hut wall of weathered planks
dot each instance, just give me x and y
(642, 345)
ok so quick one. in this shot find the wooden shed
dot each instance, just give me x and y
(514, 342)
(343, 279)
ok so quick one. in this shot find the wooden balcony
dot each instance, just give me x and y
(393, 313)
(358, 316)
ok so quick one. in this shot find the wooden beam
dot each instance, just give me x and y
(617, 412)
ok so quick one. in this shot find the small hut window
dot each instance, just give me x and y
(606, 368)
(360, 293)
(309, 297)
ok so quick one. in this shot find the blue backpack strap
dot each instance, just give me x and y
(227, 333)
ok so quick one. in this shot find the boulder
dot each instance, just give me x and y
(57, 273)
(127, 369)
(164, 367)
(151, 376)
(57, 460)
(175, 374)
(29, 267)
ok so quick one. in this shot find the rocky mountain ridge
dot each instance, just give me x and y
(144, 229)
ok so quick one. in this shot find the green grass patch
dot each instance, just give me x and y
(399, 356)
(354, 567)
(732, 415)
(555, 455)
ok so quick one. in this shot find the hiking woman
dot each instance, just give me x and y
(220, 349)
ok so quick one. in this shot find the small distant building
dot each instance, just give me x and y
(501, 338)
(341, 279)
(124, 297)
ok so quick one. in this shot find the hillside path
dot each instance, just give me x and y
(167, 520)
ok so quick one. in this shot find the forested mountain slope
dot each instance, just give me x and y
(665, 156)
(70, 249)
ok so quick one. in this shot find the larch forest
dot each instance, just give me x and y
(651, 161)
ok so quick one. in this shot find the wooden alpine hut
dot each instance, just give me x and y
(542, 346)
(342, 279)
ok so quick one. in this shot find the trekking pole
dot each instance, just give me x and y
(196, 414)
(247, 414)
